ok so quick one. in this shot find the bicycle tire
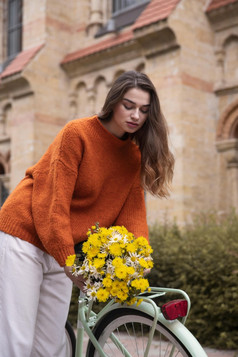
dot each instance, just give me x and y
(131, 320)
(70, 340)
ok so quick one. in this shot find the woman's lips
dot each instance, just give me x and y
(132, 125)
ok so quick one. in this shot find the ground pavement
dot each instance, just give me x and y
(218, 353)
(209, 351)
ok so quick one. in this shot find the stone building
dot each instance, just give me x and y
(58, 59)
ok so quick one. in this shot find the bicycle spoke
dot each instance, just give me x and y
(128, 336)
(135, 341)
(142, 333)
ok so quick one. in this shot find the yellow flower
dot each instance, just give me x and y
(143, 263)
(130, 237)
(122, 296)
(149, 250)
(114, 292)
(124, 287)
(131, 247)
(107, 282)
(102, 255)
(117, 261)
(86, 246)
(141, 241)
(92, 252)
(131, 301)
(150, 264)
(70, 260)
(98, 263)
(102, 295)
(130, 270)
(140, 284)
(94, 240)
(115, 249)
(116, 284)
(121, 272)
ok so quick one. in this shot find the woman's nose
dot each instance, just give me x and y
(135, 114)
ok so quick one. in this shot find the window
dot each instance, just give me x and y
(13, 31)
(236, 132)
(3, 192)
(4, 181)
(123, 13)
(119, 5)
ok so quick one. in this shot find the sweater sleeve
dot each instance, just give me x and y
(54, 180)
(133, 212)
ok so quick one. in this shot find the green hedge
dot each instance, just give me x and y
(202, 259)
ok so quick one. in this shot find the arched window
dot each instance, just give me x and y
(234, 130)
(3, 187)
(2, 170)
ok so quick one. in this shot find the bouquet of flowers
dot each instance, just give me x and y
(113, 264)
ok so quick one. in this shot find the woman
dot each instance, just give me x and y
(96, 170)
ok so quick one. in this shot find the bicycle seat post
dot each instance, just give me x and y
(80, 328)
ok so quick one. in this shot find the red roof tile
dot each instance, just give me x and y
(20, 62)
(155, 11)
(103, 45)
(215, 4)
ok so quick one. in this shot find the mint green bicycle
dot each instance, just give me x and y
(139, 330)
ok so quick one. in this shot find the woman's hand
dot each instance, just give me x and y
(79, 281)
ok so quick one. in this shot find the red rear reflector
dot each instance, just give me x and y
(174, 309)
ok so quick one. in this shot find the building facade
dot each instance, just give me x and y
(59, 58)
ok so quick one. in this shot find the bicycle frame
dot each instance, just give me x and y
(87, 319)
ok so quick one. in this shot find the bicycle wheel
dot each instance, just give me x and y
(70, 340)
(131, 328)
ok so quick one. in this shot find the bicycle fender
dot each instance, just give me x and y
(175, 326)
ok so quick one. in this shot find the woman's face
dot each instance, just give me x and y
(130, 113)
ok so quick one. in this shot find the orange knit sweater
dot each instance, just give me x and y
(87, 175)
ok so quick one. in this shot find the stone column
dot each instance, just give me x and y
(72, 106)
(229, 148)
(91, 100)
(96, 17)
(220, 79)
(2, 123)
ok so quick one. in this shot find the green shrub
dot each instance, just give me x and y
(202, 259)
(73, 309)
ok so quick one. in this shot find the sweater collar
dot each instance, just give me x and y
(112, 138)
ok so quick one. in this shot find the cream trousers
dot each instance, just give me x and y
(34, 301)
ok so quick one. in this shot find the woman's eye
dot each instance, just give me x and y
(144, 111)
(128, 107)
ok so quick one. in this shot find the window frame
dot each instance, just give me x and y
(123, 17)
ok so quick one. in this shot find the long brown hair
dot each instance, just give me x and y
(157, 162)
